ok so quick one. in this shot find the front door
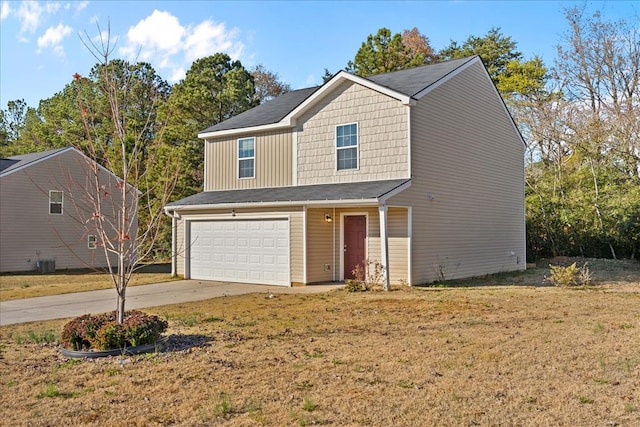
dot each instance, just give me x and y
(355, 230)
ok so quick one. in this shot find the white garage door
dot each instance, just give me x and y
(247, 251)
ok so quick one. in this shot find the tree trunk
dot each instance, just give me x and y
(120, 311)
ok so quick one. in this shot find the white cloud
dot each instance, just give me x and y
(163, 41)
(208, 38)
(52, 39)
(81, 5)
(29, 14)
(4, 12)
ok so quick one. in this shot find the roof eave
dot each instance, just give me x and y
(34, 162)
(282, 124)
(339, 202)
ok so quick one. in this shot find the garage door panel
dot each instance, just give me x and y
(253, 251)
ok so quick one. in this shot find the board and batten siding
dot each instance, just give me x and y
(29, 233)
(467, 187)
(295, 233)
(273, 162)
(382, 137)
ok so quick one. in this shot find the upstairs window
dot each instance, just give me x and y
(246, 158)
(92, 241)
(55, 202)
(347, 146)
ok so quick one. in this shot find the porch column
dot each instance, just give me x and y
(384, 246)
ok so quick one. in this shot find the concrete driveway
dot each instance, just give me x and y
(72, 305)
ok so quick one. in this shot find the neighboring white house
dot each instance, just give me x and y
(420, 169)
(46, 210)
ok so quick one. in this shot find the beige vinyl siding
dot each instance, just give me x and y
(320, 247)
(468, 157)
(273, 162)
(295, 233)
(398, 238)
(382, 137)
(28, 232)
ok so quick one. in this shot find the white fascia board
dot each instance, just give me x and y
(452, 74)
(283, 124)
(350, 202)
(339, 78)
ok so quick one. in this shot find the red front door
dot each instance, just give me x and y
(355, 230)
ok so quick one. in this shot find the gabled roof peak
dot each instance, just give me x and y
(404, 85)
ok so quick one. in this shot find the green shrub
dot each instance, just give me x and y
(102, 331)
(141, 328)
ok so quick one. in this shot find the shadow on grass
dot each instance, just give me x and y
(530, 277)
(182, 342)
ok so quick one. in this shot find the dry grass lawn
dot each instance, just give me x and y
(461, 356)
(29, 285)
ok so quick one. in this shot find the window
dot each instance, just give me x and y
(246, 158)
(92, 242)
(347, 146)
(55, 202)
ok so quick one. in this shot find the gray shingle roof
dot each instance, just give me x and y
(22, 160)
(407, 82)
(303, 193)
(413, 80)
(265, 114)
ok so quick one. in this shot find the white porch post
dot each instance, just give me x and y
(384, 246)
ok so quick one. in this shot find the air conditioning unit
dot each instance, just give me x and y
(46, 266)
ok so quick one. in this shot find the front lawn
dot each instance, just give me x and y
(28, 285)
(485, 355)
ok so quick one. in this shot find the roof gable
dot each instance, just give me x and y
(22, 161)
(404, 85)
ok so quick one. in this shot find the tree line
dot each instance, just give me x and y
(579, 118)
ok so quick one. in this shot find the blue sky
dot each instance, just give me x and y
(40, 47)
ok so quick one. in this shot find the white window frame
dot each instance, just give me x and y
(357, 146)
(92, 241)
(246, 158)
(61, 203)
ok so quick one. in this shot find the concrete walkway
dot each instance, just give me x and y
(72, 305)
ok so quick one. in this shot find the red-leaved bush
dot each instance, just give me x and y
(102, 331)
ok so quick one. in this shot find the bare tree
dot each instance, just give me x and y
(126, 215)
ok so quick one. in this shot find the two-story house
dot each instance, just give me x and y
(48, 204)
(421, 170)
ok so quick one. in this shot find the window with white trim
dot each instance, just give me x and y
(92, 241)
(56, 199)
(246, 158)
(347, 146)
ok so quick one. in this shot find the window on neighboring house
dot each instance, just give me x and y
(55, 202)
(92, 241)
(347, 146)
(246, 158)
